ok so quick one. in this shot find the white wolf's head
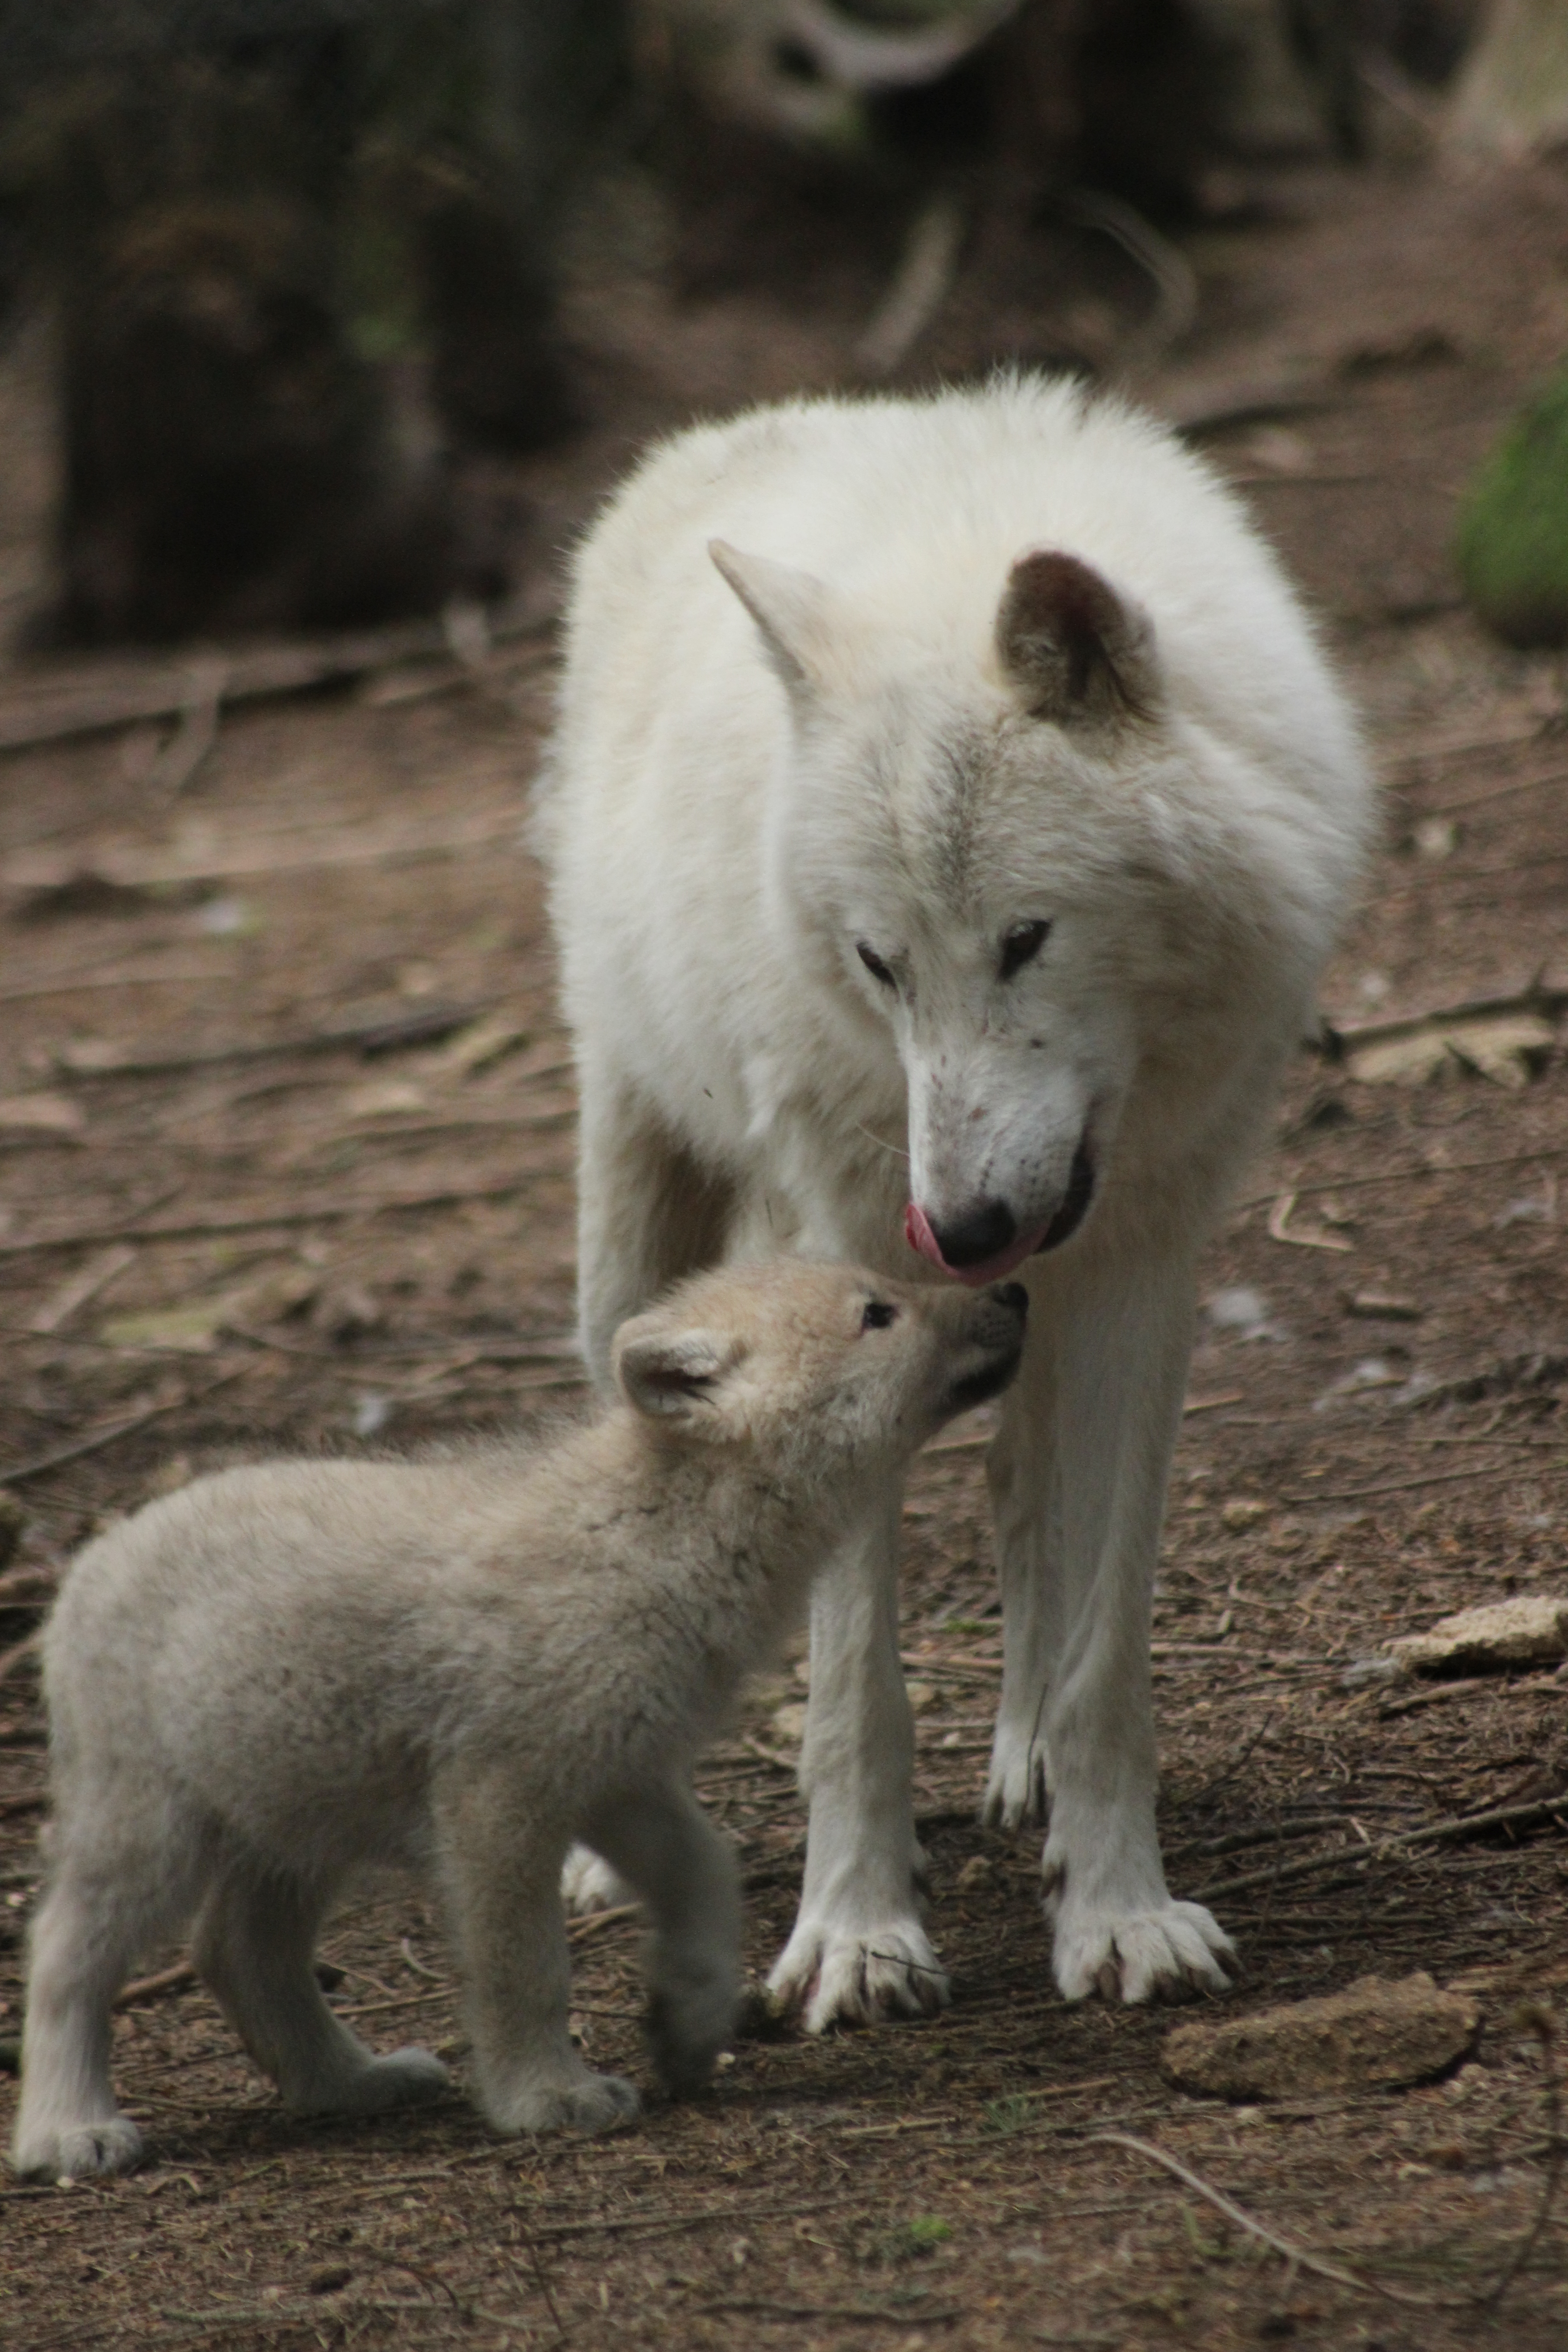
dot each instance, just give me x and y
(1003, 841)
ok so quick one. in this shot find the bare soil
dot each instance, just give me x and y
(392, 1236)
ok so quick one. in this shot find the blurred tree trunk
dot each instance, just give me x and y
(1512, 94)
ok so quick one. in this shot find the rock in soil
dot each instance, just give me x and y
(1531, 1630)
(1376, 2033)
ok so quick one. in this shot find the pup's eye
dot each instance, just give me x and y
(874, 964)
(879, 1314)
(1021, 945)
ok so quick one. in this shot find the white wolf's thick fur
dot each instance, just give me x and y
(996, 802)
(282, 1673)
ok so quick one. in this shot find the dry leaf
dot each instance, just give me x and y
(383, 1099)
(43, 1114)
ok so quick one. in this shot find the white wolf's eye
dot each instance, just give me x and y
(874, 964)
(880, 1313)
(1021, 945)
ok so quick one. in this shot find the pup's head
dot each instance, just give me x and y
(815, 1368)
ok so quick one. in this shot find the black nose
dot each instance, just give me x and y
(1011, 1295)
(985, 1233)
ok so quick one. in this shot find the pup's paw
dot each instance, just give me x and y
(687, 2029)
(404, 2078)
(80, 2151)
(592, 2103)
(1016, 1786)
(408, 2077)
(1171, 1952)
(838, 1975)
(588, 1883)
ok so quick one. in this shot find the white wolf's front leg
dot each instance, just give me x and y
(859, 1952)
(1078, 1480)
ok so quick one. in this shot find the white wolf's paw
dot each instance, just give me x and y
(588, 1883)
(1171, 1951)
(592, 2103)
(79, 2152)
(837, 1976)
(1015, 1787)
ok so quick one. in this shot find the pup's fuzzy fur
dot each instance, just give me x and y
(954, 853)
(458, 1664)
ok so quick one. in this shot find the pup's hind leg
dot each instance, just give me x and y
(97, 1916)
(253, 1948)
(502, 1890)
(664, 1843)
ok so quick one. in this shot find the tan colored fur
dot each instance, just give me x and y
(282, 1673)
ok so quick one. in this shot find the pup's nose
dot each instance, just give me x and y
(987, 1230)
(1011, 1295)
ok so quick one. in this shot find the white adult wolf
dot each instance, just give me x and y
(950, 814)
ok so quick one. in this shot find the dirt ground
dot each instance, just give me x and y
(266, 1185)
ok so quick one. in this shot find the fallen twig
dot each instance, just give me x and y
(180, 761)
(1175, 281)
(213, 1225)
(657, 2223)
(1534, 998)
(177, 1978)
(55, 712)
(102, 1437)
(919, 285)
(1409, 1175)
(1455, 1830)
(1299, 2257)
(1279, 1228)
(18, 1653)
(45, 876)
(868, 2315)
(388, 1033)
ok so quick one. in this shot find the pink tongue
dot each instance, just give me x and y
(919, 1237)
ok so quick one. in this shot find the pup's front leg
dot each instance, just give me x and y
(500, 1878)
(666, 1848)
(1078, 1477)
(859, 1952)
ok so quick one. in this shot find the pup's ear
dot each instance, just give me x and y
(669, 1374)
(1074, 648)
(795, 612)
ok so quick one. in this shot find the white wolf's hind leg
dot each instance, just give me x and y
(859, 1952)
(88, 1930)
(253, 1949)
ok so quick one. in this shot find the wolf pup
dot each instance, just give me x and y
(462, 1664)
(950, 814)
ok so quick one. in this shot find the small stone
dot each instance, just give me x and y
(920, 1697)
(1531, 1630)
(1242, 1512)
(1375, 2032)
(789, 1723)
(976, 1871)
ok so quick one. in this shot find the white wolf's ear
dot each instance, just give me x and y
(1075, 648)
(669, 1374)
(794, 611)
